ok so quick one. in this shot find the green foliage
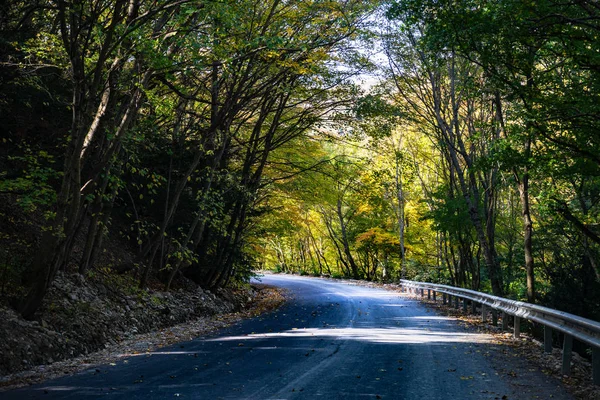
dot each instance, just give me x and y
(213, 139)
(377, 239)
(34, 185)
(376, 115)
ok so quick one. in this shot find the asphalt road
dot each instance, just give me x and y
(334, 340)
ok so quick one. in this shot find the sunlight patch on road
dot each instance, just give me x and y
(374, 335)
(364, 295)
(426, 318)
(58, 388)
(161, 353)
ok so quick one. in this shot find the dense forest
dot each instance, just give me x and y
(444, 141)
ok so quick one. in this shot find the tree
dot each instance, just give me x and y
(439, 90)
(187, 101)
(98, 38)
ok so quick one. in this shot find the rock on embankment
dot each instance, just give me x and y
(80, 316)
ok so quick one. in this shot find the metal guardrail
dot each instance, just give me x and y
(572, 326)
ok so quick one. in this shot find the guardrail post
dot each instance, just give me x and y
(483, 313)
(570, 326)
(596, 365)
(547, 339)
(567, 353)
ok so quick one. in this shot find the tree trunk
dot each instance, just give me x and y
(345, 244)
(401, 225)
(527, 235)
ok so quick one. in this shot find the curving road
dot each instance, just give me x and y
(334, 340)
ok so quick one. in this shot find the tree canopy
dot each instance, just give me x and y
(206, 140)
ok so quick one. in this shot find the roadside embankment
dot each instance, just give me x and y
(83, 316)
